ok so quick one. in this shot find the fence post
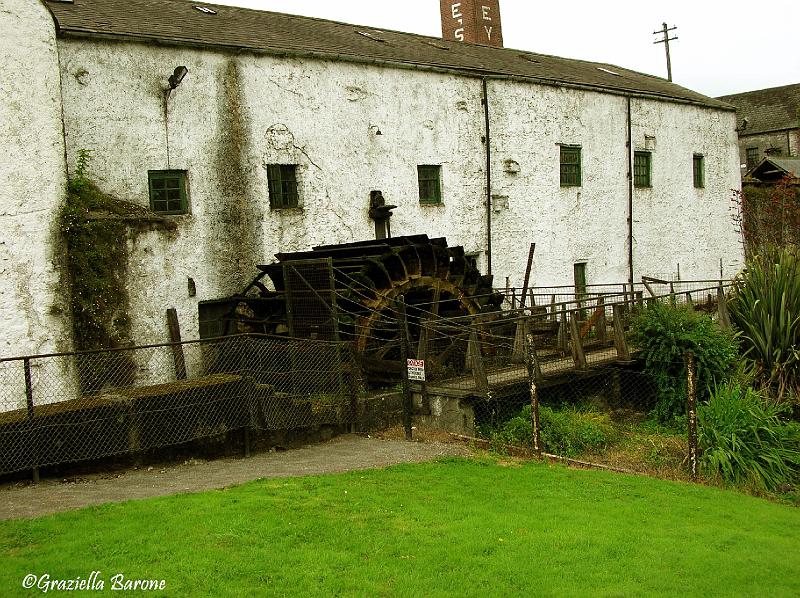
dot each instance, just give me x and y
(578, 356)
(26, 365)
(620, 342)
(534, 375)
(722, 307)
(691, 383)
(478, 368)
(407, 402)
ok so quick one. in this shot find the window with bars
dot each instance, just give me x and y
(570, 166)
(282, 182)
(698, 170)
(168, 191)
(430, 184)
(752, 156)
(641, 169)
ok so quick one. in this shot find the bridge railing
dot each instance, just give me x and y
(575, 333)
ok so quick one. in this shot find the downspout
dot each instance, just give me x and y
(630, 196)
(487, 142)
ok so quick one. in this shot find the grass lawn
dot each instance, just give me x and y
(454, 527)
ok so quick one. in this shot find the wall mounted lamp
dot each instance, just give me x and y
(177, 76)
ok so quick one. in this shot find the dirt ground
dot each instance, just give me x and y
(343, 453)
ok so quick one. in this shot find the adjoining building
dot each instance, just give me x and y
(255, 132)
(768, 123)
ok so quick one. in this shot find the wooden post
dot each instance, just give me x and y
(478, 368)
(620, 342)
(26, 365)
(672, 294)
(640, 298)
(561, 339)
(534, 375)
(601, 320)
(527, 280)
(422, 353)
(552, 308)
(722, 308)
(407, 404)
(689, 302)
(578, 355)
(177, 348)
(518, 350)
(691, 393)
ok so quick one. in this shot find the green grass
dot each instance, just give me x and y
(454, 527)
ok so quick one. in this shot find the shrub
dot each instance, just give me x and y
(568, 432)
(664, 334)
(744, 440)
(765, 306)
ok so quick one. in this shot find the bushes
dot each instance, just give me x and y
(664, 334)
(566, 433)
(744, 441)
(765, 306)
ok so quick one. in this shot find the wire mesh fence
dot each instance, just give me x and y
(610, 415)
(70, 407)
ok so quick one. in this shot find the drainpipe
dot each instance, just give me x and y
(630, 197)
(487, 141)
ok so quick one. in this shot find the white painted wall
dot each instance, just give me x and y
(235, 113)
(33, 306)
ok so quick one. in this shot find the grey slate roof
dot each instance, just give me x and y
(772, 168)
(767, 109)
(231, 27)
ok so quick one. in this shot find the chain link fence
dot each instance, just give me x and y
(70, 407)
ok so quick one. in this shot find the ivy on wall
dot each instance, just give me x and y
(96, 228)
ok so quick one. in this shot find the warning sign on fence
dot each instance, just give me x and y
(416, 369)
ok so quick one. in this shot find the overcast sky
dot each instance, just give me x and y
(723, 47)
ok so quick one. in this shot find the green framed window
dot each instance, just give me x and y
(751, 154)
(168, 191)
(570, 166)
(641, 169)
(698, 171)
(282, 182)
(430, 184)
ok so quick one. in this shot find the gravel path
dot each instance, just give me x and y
(343, 453)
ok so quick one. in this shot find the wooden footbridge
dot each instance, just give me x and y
(570, 335)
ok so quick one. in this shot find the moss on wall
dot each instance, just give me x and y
(95, 228)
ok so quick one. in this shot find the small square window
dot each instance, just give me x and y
(168, 191)
(752, 156)
(570, 166)
(282, 182)
(641, 169)
(430, 185)
(698, 169)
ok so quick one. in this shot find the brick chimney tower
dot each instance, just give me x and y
(472, 21)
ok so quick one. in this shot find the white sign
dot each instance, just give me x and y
(416, 369)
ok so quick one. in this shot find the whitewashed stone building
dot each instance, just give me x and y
(520, 147)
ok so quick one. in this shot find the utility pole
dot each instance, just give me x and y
(665, 32)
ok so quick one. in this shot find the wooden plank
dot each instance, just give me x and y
(576, 344)
(177, 349)
(620, 342)
(601, 320)
(527, 277)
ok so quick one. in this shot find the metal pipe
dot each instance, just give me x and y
(630, 195)
(488, 144)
